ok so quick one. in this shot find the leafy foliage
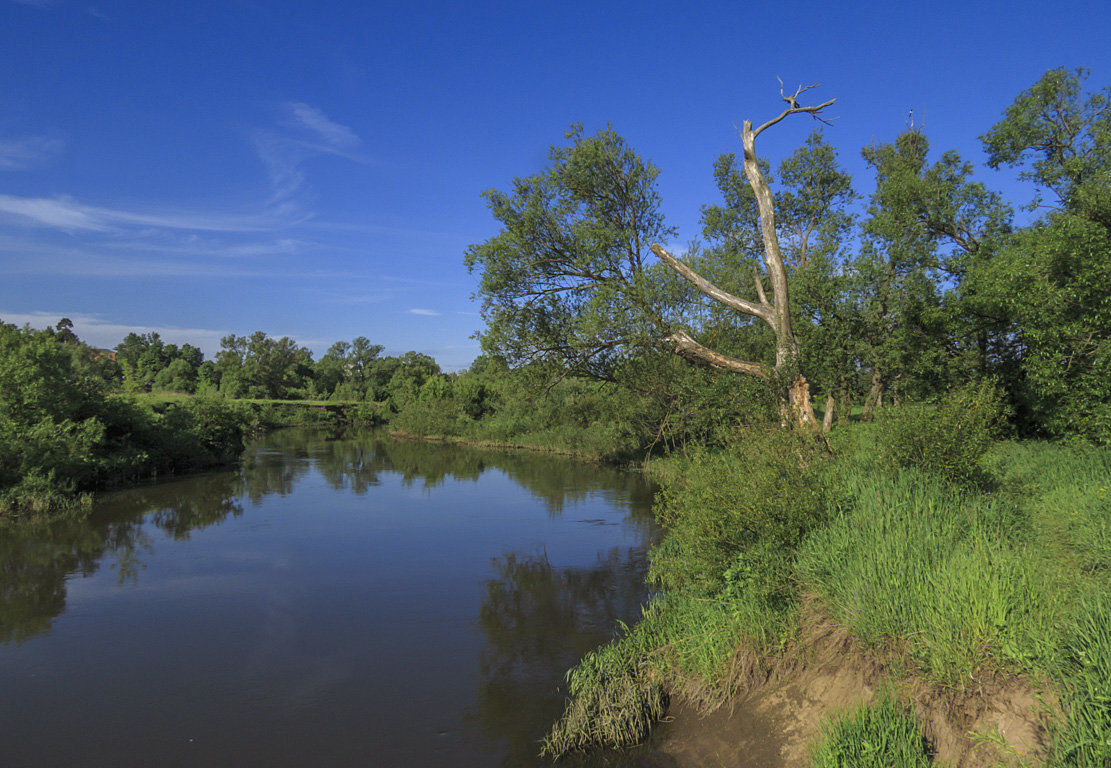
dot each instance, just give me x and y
(948, 439)
(61, 430)
(565, 280)
(747, 527)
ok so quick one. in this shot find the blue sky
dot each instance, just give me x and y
(314, 169)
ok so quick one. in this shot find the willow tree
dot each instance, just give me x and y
(1053, 279)
(570, 278)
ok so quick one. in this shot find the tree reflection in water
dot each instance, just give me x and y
(536, 617)
(524, 606)
(538, 621)
(36, 561)
(34, 564)
(355, 460)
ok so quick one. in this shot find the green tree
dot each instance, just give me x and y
(360, 360)
(410, 373)
(565, 280)
(229, 364)
(141, 357)
(330, 371)
(262, 367)
(1053, 279)
(274, 367)
(49, 425)
(898, 305)
(569, 279)
(178, 376)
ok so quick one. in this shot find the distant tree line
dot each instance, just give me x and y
(259, 366)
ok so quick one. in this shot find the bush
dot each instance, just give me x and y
(762, 497)
(948, 439)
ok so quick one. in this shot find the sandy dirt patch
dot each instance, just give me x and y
(782, 709)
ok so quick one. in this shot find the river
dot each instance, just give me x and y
(335, 600)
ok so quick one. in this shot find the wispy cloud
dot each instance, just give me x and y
(68, 214)
(273, 261)
(192, 246)
(61, 213)
(269, 237)
(425, 312)
(308, 133)
(335, 136)
(16, 154)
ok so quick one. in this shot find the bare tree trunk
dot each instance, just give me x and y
(827, 417)
(875, 396)
(846, 403)
(797, 407)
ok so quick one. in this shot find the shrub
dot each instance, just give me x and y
(762, 496)
(948, 439)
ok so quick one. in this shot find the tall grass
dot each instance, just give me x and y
(908, 558)
(1067, 489)
(971, 556)
(733, 518)
(1018, 578)
(1084, 740)
(878, 735)
(619, 691)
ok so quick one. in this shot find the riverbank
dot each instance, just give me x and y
(502, 445)
(777, 717)
(972, 587)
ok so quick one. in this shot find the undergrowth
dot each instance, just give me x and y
(724, 568)
(973, 557)
(947, 574)
(1084, 738)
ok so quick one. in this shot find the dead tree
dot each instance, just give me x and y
(795, 391)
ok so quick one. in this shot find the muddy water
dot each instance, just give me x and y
(333, 601)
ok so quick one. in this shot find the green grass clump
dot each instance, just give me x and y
(879, 735)
(613, 699)
(1084, 741)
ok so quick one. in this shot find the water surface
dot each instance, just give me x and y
(335, 600)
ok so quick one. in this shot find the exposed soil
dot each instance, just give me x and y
(779, 715)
